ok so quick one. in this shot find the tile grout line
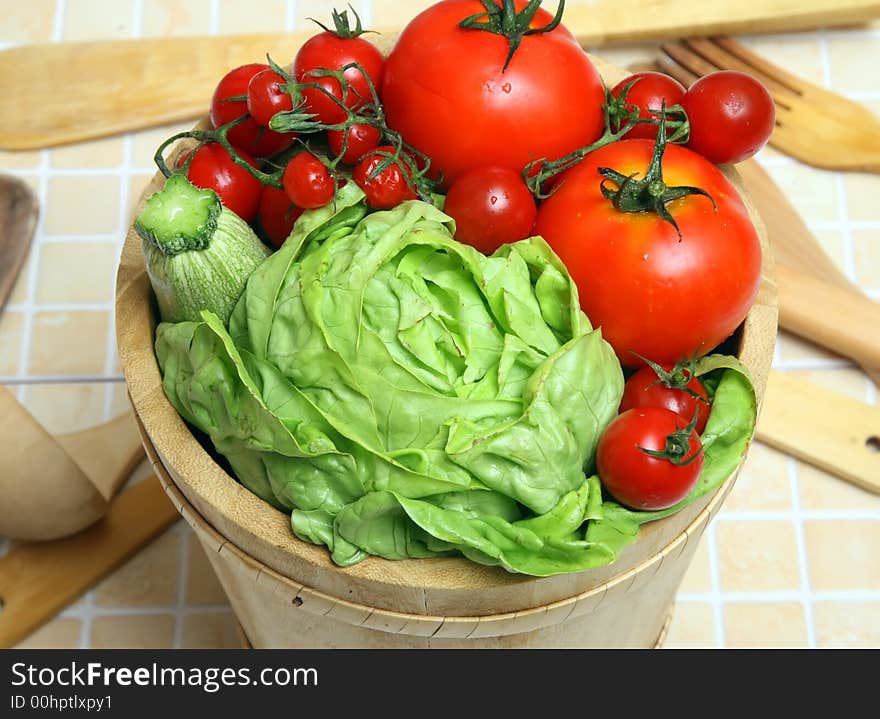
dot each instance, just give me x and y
(182, 577)
(33, 270)
(715, 585)
(784, 595)
(124, 192)
(214, 21)
(87, 604)
(137, 10)
(29, 304)
(777, 515)
(132, 610)
(367, 12)
(60, 379)
(803, 557)
(58, 20)
(842, 210)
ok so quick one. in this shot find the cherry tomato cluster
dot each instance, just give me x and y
(304, 132)
(650, 456)
(731, 115)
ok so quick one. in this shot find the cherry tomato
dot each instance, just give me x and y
(307, 181)
(638, 479)
(277, 215)
(446, 90)
(491, 206)
(390, 187)
(361, 139)
(249, 136)
(649, 92)
(212, 168)
(732, 116)
(329, 51)
(265, 96)
(651, 291)
(674, 389)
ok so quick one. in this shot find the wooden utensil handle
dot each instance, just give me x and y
(829, 315)
(39, 579)
(837, 434)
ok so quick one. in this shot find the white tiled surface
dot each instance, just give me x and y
(792, 560)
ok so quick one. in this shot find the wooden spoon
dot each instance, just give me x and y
(51, 488)
(18, 219)
(816, 300)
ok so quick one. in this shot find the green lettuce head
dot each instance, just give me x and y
(403, 395)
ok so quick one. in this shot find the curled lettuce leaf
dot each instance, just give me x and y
(402, 395)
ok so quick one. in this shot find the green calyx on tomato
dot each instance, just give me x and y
(342, 25)
(679, 377)
(678, 448)
(651, 193)
(620, 118)
(506, 21)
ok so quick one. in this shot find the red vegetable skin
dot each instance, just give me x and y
(307, 181)
(491, 206)
(387, 189)
(649, 92)
(248, 136)
(331, 52)
(212, 168)
(361, 139)
(645, 389)
(651, 292)
(634, 477)
(265, 96)
(732, 116)
(445, 92)
(277, 215)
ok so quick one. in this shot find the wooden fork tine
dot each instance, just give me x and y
(688, 59)
(721, 58)
(680, 73)
(760, 64)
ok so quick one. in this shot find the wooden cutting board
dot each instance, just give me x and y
(68, 92)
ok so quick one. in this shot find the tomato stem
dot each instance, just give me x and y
(342, 26)
(678, 377)
(650, 194)
(620, 118)
(414, 163)
(678, 445)
(504, 20)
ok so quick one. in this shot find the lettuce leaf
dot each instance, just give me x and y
(402, 395)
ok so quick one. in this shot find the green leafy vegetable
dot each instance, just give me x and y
(404, 396)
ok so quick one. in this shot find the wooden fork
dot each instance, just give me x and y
(813, 125)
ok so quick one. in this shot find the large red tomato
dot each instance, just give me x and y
(652, 291)
(445, 90)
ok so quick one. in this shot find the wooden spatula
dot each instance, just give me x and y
(18, 219)
(37, 580)
(71, 92)
(816, 300)
(53, 487)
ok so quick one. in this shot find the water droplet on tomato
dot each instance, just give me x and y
(506, 87)
(493, 199)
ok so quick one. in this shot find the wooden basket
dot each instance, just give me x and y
(287, 593)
